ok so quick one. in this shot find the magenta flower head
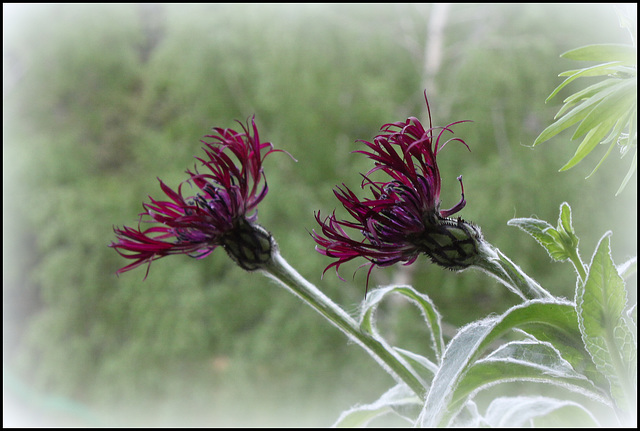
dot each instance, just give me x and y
(221, 213)
(403, 218)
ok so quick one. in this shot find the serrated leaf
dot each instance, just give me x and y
(543, 233)
(520, 411)
(561, 243)
(603, 52)
(564, 223)
(396, 399)
(601, 301)
(627, 269)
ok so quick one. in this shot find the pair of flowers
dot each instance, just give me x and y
(399, 222)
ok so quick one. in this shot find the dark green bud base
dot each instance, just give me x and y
(451, 243)
(249, 245)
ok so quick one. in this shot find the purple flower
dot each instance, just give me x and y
(222, 212)
(403, 218)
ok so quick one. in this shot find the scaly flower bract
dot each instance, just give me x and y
(403, 219)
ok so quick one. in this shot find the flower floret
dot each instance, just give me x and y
(403, 218)
(225, 204)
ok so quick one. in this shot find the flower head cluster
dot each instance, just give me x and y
(403, 218)
(222, 213)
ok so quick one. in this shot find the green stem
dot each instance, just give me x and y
(577, 263)
(495, 263)
(390, 360)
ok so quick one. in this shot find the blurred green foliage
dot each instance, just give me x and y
(102, 99)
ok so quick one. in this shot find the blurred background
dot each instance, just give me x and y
(99, 100)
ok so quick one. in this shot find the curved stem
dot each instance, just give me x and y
(495, 263)
(280, 270)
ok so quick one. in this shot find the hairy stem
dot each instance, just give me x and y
(578, 265)
(280, 270)
(495, 263)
